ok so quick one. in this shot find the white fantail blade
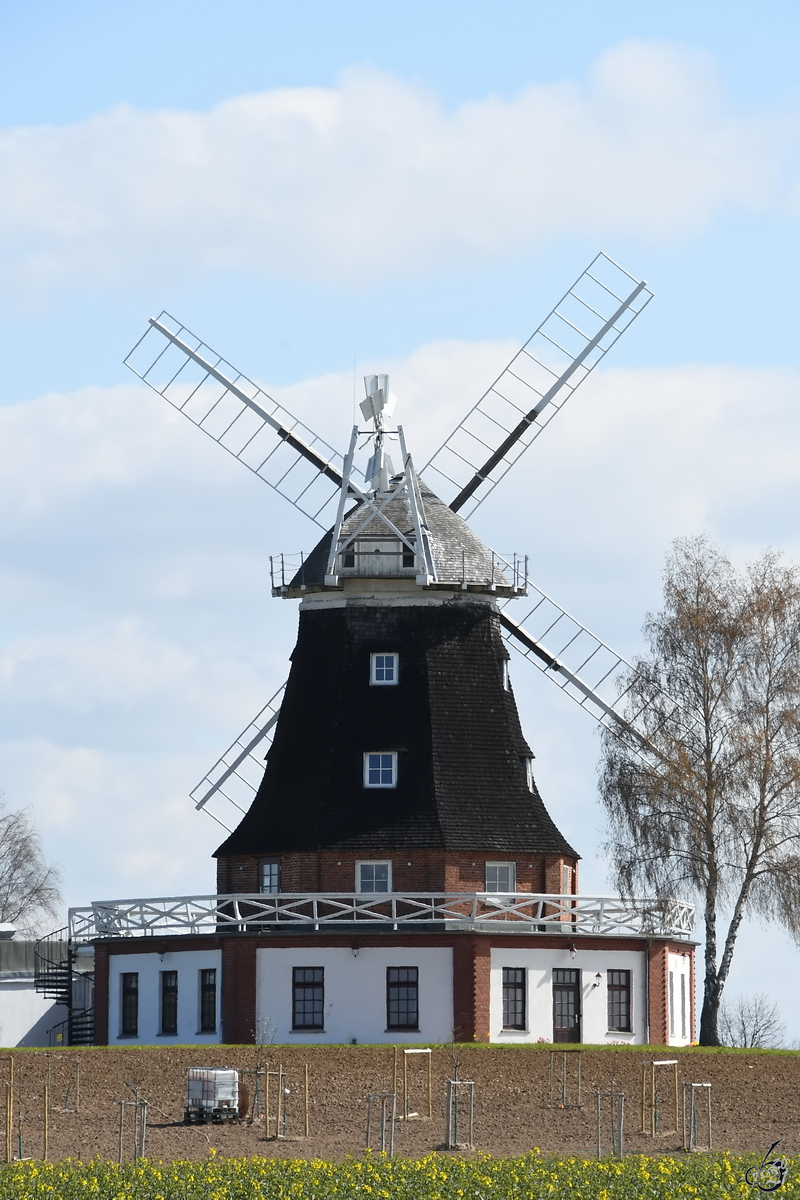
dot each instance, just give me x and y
(567, 346)
(238, 415)
(368, 409)
(228, 789)
(378, 399)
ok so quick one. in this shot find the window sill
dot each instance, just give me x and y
(402, 1029)
(619, 1032)
(309, 1030)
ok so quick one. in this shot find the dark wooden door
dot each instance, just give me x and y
(566, 1006)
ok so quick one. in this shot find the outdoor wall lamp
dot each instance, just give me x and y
(355, 950)
(572, 950)
(598, 979)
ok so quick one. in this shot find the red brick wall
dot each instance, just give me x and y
(100, 995)
(463, 991)
(657, 992)
(412, 871)
(237, 874)
(238, 990)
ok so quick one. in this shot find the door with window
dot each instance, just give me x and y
(566, 1006)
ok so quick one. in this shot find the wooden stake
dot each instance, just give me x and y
(676, 1096)
(46, 1114)
(9, 1120)
(306, 1101)
(430, 1092)
(10, 1110)
(394, 1073)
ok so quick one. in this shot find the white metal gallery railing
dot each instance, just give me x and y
(505, 912)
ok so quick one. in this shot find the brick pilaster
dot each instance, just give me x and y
(100, 1037)
(238, 990)
(471, 979)
(658, 994)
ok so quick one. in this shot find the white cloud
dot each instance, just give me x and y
(117, 824)
(373, 179)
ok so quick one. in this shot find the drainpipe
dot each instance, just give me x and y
(647, 992)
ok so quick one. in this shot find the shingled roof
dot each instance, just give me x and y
(461, 752)
(459, 556)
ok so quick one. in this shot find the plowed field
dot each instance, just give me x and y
(755, 1100)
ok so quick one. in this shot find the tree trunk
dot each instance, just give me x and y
(709, 1014)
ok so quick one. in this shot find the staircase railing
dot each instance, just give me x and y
(55, 977)
(51, 965)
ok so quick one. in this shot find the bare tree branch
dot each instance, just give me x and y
(752, 1022)
(717, 810)
(29, 888)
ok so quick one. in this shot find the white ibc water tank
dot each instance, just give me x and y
(212, 1093)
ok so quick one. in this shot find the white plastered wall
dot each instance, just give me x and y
(355, 993)
(679, 1013)
(188, 964)
(539, 965)
(26, 1017)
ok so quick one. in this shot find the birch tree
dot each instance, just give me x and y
(28, 885)
(714, 811)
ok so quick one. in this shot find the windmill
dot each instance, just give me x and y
(390, 509)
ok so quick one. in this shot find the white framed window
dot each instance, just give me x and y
(270, 876)
(374, 877)
(505, 674)
(566, 881)
(380, 769)
(384, 669)
(207, 979)
(501, 877)
(529, 773)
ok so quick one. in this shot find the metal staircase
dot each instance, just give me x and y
(56, 978)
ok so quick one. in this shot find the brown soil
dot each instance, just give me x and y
(755, 1100)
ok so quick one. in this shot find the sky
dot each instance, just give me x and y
(324, 190)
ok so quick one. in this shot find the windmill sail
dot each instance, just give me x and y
(538, 381)
(235, 778)
(239, 416)
(577, 661)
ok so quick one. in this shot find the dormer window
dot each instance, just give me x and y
(529, 773)
(371, 556)
(380, 769)
(383, 669)
(505, 675)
